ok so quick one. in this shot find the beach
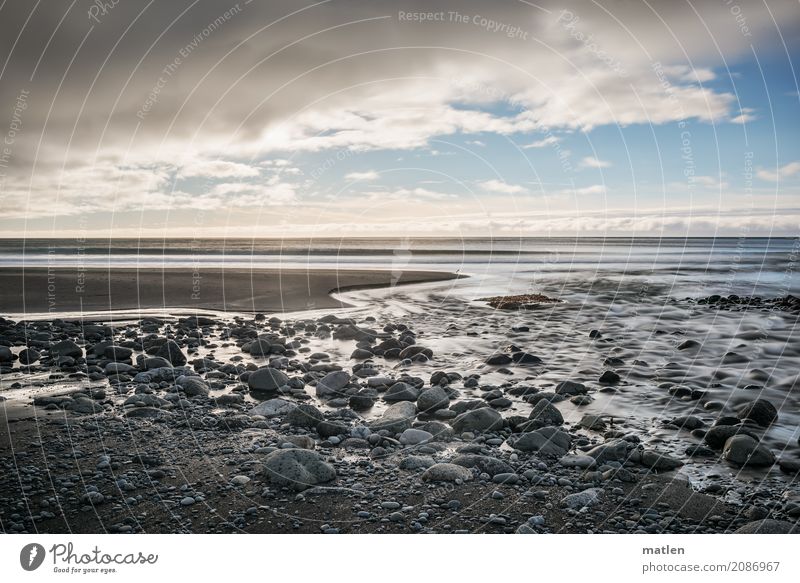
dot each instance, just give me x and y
(605, 401)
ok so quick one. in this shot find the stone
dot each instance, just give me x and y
(267, 380)
(614, 450)
(297, 468)
(272, 408)
(193, 386)
(478, 420)
(445, 472)
(609, 377)
(499, 359)
(331, 384)
(485, 463)
(397, 418)
(592, 422)
(28, 356)
(525, 358)
(547, 414)
(583, 499)
(768, 526)
(688, 422)
(117, 352)
(659, 461)
(432, 400)
(415, 437)
(416, 462)
(361, 354)
(66, 348)
(760, 411)
(154, 362)
(744, 450)
(171, 352)
(577, 461)
(570, 388)
(304, 415)
(331, 428)
(401, 392)
(414, 352)
(546, 441)
(719, 434)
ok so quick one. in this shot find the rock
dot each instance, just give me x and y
(577, 461)
(331, 384)
(719, 434)
(171, 352)
(401, 392)
(485, 463)
(331, 428)
(658, 461)
(760, 411)
(586, 498)
(688, 422)
(113, 368)
(592, 422)
(547, 441)
(526, 358)
(614, 450)
(28, 356)
(272, 408)
(363, 399)
(499, 359)
(768, 526)
(609, 377)
(297, 468)
(416, 462)
(789, 466)
(361, 354)
(547, 414)
(433, 399)
(304, 415)
(396, 418)
(570, 388)
(66, 348)
(6, 356)
(240, 480)
(744, 450)
(415, 437)
(446, 473)
(118, 352)
(267, 380)
(478, 420)
(154, 362)
(193, 386)
(689, 345)
(414, 352)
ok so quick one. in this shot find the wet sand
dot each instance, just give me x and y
(36, 290)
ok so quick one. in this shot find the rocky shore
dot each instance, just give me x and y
(338, 424)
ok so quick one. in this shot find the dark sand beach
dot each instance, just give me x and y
(71, 289)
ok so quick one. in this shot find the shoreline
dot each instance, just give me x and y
(69, 289)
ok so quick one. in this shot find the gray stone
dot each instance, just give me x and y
(297, 468)
(768, 526)
(760, 411)
(586, 498)
(331, 384)
(577, 461)
(416, 462)
(66, 348)
(658, 461)
(486, 464)
(744, 450)
(267, 380)
(547, 414)
(570, 388)
(415, 437)
(397, 418)
(272, 408)
(478, 420)
(401, 392)
(547, 441)
(433, 399)
(193, 386)
(171, 352)
(304, 415)
(613, 450)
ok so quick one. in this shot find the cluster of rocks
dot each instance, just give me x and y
(319, 428)
(788, 303)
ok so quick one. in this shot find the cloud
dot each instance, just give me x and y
(501, 187)
(593, 189)
(592, 162)
(217, 169)
(746, 114)
(548, 141)
(362, 176)
(782, 173)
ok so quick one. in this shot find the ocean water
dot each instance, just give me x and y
(673, 266)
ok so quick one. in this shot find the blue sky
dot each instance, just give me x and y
(338, 119)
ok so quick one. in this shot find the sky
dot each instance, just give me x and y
(137, 118)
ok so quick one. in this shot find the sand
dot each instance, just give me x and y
(37, 290)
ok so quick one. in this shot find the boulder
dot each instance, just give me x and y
(586, 498)
(486, 464)
(415, 437)
(397, 418)
(658, 461)
(547, 414)
(546, 441)
(744, 450)
(267, 380)
(416, 352)
(193, 386)
(66, 348)
(401, 392)
(613, 450)
(478, 420)
(759, 411)
(171, 352)
(297, 468)
(304, 415)
(768, 526)
(570, 388)
(272, 408)
(432, 400)
(331, 384)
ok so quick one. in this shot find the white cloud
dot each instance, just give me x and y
(217, 169)
(502, 187)
(593, 189)
(548, 141)
(593, 162)
(783, 172)
(362, 176)
(746, 114)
